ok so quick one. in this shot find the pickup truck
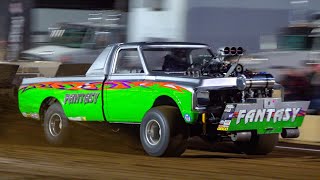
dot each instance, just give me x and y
(173, 91)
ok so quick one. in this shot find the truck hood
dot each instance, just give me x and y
(50, 52)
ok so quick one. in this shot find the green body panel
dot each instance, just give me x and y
(30, 103)
(130, 104)
(125, 103)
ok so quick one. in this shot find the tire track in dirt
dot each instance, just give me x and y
(100, 153)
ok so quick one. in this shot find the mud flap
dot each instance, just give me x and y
(264, 115)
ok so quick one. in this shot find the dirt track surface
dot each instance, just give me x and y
(94, 154)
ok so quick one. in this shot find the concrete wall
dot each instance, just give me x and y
(43, 18)
(216, 22)
(233, 26)
(145, 23)
(254, 4)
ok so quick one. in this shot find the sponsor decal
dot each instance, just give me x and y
(227, 122)
(222, 128)
(224, 125)
(260, 115)
(261, 110)
(81, 98)
(187, 117)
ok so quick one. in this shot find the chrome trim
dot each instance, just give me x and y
(27, 81)
(133, 123)
(115, 59)
(175, 46)
(150, 78)
(77, 118)
(200, 108)
(103, 57)
(216, 83)
(108, 59)
(241, 82)
(178, 79)
(143, 61)
(53, 129)
(126, 77)
(153, 132)
(194, 101)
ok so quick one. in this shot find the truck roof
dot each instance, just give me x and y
(165, 44)
(96, 68)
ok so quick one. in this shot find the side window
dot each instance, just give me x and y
(128, 61)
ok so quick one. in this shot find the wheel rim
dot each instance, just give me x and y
(55, 124)
(153, 132)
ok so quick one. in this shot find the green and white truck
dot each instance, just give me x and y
(173, 91)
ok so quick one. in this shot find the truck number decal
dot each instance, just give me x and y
(81, 98)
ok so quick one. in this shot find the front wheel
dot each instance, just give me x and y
(260, 144)
(56, 125)
(163, 132)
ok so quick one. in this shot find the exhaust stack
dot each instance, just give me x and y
(241, 136)
(290, 133)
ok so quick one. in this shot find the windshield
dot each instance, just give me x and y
(72, 36)
(175, 59)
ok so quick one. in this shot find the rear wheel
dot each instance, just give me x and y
(260, 144)
(56, 125)
(163, 132)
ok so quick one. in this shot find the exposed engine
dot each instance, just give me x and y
(249, 84)
(219, 66)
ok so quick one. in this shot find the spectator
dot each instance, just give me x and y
(295, 85)
(315, 88)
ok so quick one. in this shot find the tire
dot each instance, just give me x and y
(259, 144)
(56, 125)
(163, 132)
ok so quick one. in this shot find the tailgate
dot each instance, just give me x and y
(265, 115)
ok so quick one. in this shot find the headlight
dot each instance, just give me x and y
(241, 83)
(203, 98)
